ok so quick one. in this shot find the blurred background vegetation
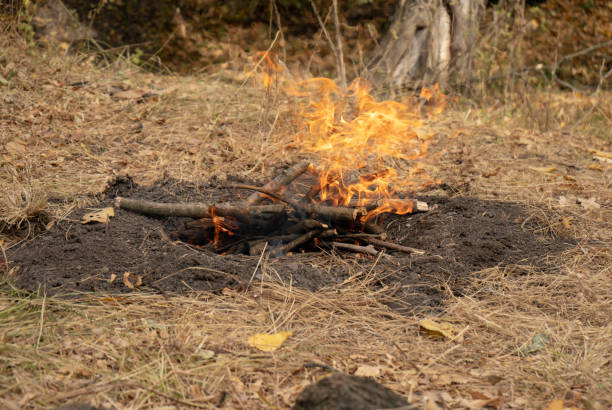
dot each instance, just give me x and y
(532, 42)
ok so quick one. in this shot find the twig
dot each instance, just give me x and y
(554, 67)
(42, 319)
(6, 265)
(280, 182)
(586, 50)
(168, 397)
(263, 251)
(363, 236)
(327, 36)
(394, 246)
(280, 29)
(302, 240)
(369, 250)
(321, 366)
(340, 56)
(260, 190)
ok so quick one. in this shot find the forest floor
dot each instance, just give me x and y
(517, 252)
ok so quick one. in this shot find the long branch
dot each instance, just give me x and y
(196, 210)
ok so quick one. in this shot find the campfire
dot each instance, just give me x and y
(367, 166)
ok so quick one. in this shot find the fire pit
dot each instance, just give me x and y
(281, 225)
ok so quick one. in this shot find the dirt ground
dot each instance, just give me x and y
(460, 235)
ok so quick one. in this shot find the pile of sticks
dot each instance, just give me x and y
(280, 227)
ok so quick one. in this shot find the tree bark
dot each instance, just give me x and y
(428, 41)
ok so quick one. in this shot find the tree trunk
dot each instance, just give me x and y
(427, 42)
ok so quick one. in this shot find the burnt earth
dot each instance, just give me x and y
(461, 235)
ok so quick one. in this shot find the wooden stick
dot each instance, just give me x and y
(370, 250)
(300, 240)
(414, 204)
(336, 214)
(328, 233)
(141, 206)
(257, 246)
(306, 225)
(393, 246)
(360, 235)
(197, 210)
(279, 182)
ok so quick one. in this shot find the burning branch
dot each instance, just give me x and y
(279, 183)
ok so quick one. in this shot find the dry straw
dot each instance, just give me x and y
(73, 129)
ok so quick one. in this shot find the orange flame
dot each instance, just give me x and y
(362, 142)
(269, 69)
(222, 224)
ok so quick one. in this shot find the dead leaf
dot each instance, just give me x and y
(16, 147)
(589, 204)
(367, 371)
(112, 278)
(596, 167)
(206, 354)
(439, 329)
(129, 94)
(544, 169)
(538, 342)
(268, 343)
(101, 215)
(113, 300)
(566, 223)
(555, 405)
(564, 201)
(601, 154)
(128, 283)
(446, 379)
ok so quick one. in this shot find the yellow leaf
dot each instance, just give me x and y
(544, 169)
(596, 167)
(101, 215)
(16, 147)
(268, 343)
(566, 223)
(602, 154)
(439, 329)
(367, 371)
(128, 283)
(555, 405)
(112, 278)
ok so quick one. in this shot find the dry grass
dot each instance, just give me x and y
(149, 351)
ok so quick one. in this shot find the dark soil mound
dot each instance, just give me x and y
(345, 392)
(460, 236)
